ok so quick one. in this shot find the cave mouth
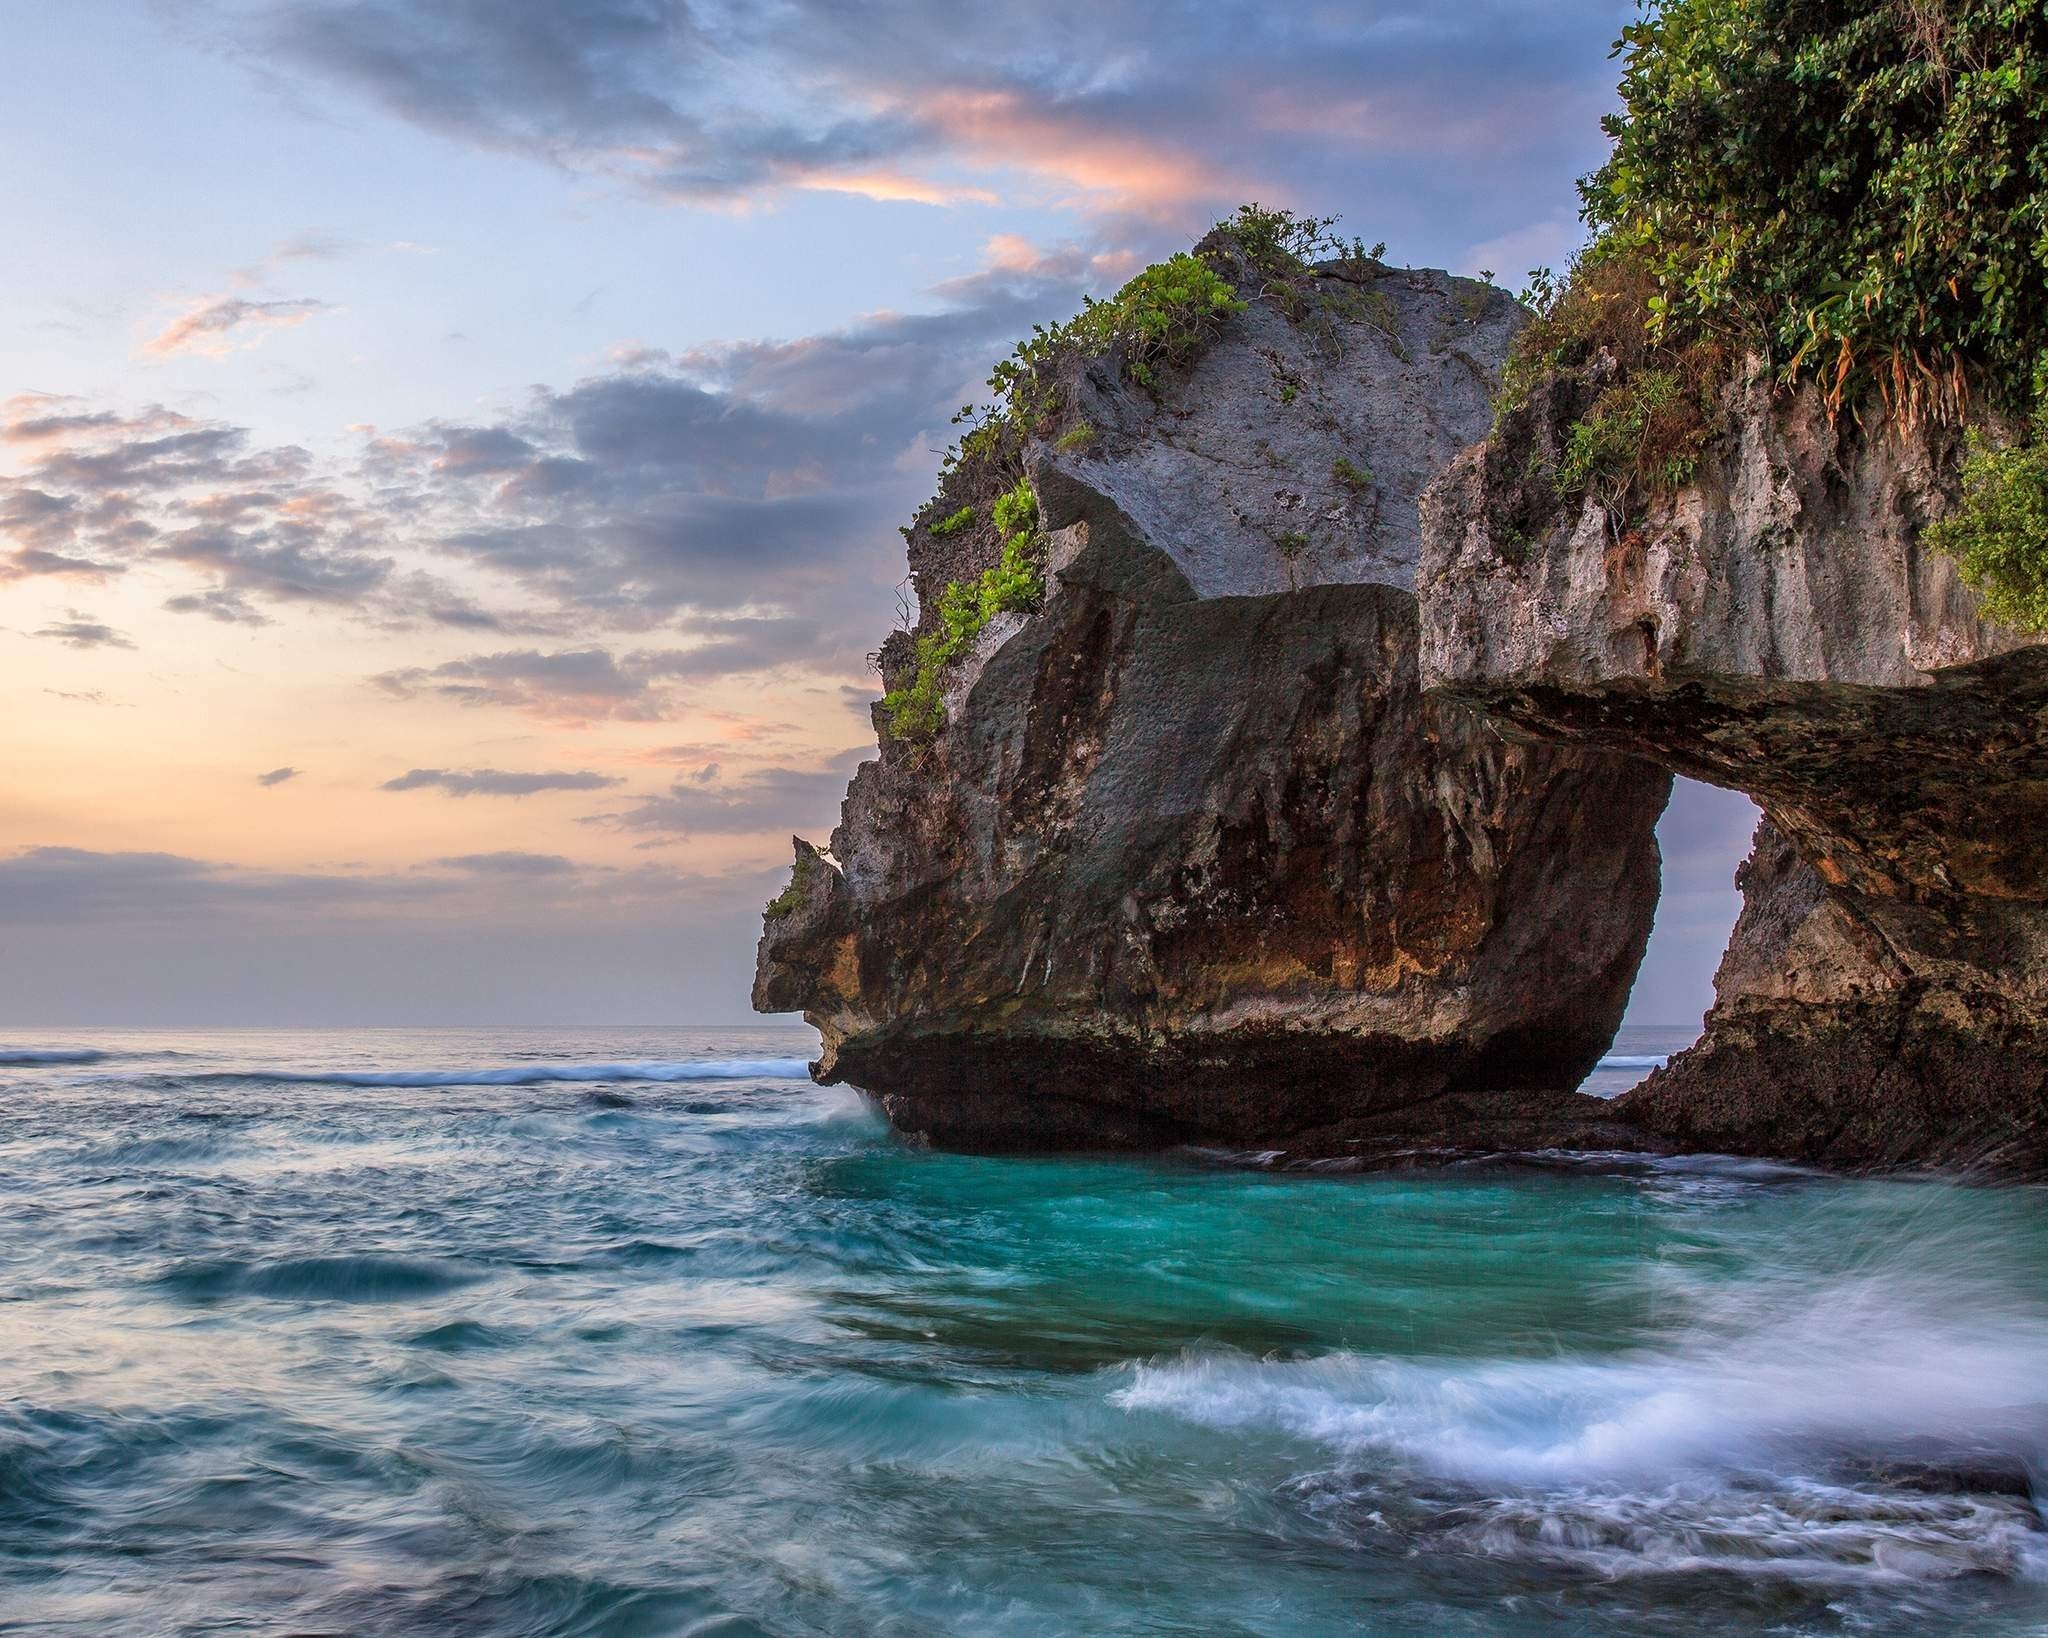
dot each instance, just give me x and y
(1704, 835)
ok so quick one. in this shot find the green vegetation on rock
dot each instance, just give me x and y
(1162, 317)
(1279, 243)
(1858, 187)
(917, 710)
(1854, 192)
(793, 895)
(1999, 534)
(1646, 431)
(1358, 479)
(1657, 409)
(1016, 510)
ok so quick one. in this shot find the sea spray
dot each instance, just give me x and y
(1812, 1375)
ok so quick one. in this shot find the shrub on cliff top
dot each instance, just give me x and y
(1858, 187)
(1278, 242)
(1659, 409)
(1162, 316)
(1857, 191)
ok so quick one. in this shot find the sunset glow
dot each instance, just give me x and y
(478, 510)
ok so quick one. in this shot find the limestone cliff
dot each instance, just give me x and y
(1778, 627)
(1192, 858)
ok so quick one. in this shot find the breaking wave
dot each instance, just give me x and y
(725, 1069)
(1880, 1421)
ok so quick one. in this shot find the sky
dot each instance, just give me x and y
(451, 451)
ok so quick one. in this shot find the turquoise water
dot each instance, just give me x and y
(633, 1332)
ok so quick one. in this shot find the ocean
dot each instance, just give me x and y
(635, 1331)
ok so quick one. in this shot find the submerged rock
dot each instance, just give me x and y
(1192, 858)
(1777, 627)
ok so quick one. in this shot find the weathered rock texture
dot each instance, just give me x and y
(1193, 858)
(1777, 627)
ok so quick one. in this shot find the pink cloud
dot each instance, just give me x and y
(999, 129)
(208, 325)
(889, 187)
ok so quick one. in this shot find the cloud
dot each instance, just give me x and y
(1138, 115)
(762, 800)
(276, 776)
(725, 486)
(210, 324)
(582, 685)
(101, 490)
(1012, 263)
(222, 603)
(741, 495)
(508, 864)
(616, 87)
(38, 418)
(80, 630)
(37, 519)
(304, 247)
(288, 560)
(67, 885)
(87, 696)
(495, 782)
(61, 887)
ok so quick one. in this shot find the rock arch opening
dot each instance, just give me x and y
(1704, 835)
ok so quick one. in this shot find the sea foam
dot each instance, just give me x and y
(722, 1069)
(1798, 1419)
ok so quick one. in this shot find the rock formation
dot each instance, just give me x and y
(1776, 626)
(1192, 857)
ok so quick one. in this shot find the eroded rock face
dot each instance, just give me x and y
(1193, 859)
(1777, 627)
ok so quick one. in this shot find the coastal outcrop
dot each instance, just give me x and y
(1234, 788)
(1179, 850)
(1778, 625)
